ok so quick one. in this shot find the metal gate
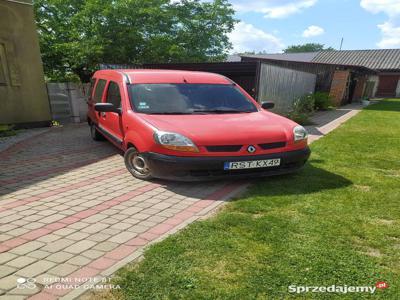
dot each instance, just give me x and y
(68, 101)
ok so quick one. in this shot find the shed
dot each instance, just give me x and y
(386, 62)
(371, 73)
(345, 83)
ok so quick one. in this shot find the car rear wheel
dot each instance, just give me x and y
(136, 164)
(95, 134)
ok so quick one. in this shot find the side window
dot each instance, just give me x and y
(90, 93)
(99, 90)
(113, 94)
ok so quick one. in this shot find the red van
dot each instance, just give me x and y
(185, 125)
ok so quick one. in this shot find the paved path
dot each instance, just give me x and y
(6, 142)
(326, 121)
(70, 209)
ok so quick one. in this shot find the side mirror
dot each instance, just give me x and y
(107, 107)
(268, 105)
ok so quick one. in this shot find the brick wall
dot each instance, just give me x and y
(338, 86)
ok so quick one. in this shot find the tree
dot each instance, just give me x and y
(309, 47)
(253, 52)
(77, 35)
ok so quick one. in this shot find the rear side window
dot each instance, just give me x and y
(91, 87)
(98, 93)
(113, 94)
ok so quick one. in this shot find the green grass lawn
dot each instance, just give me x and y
(335, 222)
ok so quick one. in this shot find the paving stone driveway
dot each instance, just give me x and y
(69, 208)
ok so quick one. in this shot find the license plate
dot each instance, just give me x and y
(252, 164)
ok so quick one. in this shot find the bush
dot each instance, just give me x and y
(322, 101)
(300, 118)
(305, 104)
(303, 108)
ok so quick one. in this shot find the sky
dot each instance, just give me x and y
(272, 25)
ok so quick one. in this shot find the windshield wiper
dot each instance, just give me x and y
(170, 113)
(201, 111)
(222, 111)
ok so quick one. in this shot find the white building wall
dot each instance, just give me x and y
(398, 89)
(375, 79)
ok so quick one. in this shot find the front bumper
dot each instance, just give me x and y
(206, 168)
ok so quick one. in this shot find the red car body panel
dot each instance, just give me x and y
(137, 129)
(229, 129)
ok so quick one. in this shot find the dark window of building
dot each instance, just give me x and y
(98, 93)
(113, 94)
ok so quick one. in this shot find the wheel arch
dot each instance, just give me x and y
(130, 145)
(134, 140)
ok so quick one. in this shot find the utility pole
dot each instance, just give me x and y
(341, 44)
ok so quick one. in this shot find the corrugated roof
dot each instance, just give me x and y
(383, 59)
(303, 56)
(380, 59)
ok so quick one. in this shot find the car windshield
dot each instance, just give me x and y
(189, 99)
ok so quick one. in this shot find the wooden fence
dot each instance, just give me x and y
(283, 86)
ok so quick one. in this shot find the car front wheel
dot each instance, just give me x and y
(136, 164)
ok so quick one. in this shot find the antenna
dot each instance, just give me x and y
(341, 44)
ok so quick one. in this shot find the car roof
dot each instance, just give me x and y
(163, 76)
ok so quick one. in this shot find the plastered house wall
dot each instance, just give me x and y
(23, 95)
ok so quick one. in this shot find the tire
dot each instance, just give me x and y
(95, 134)
(136, 164)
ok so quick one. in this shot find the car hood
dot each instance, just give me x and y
(226, 129)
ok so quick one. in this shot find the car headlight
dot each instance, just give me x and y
(300, 133)
(174, 141)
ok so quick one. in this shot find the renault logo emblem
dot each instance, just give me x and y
(251, 149)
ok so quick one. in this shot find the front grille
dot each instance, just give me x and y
(255, 171)
(272, 145)
(224, 148)
(208, 173)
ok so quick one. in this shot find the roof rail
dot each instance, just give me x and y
(126, 78)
